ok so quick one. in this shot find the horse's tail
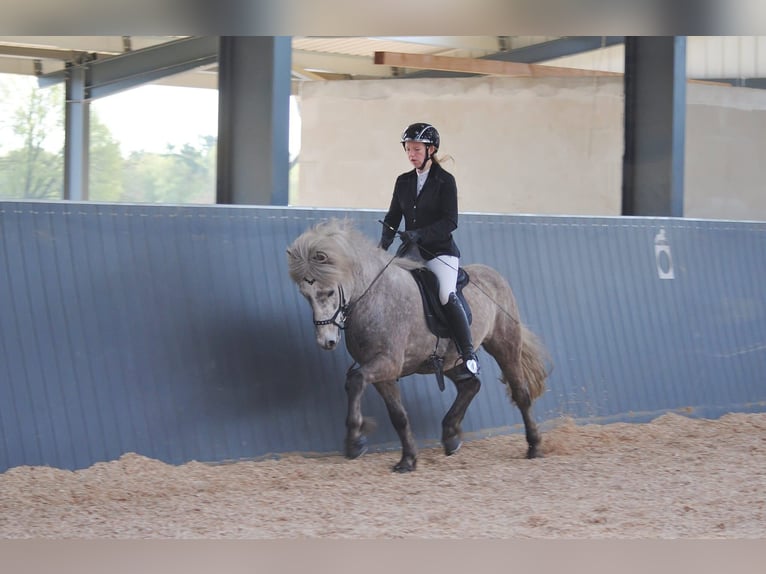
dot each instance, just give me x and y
(535, 362)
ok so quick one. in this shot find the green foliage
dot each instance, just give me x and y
(32, 170)
(31, 174)
(34, 167)
(178, 176)
(105, 180)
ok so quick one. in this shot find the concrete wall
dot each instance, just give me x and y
(522, 145)
(725, 151)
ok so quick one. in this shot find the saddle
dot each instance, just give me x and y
(429, 292)
(432, 307)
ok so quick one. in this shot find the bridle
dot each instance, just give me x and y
(341, 313)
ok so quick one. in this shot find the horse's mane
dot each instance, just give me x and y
(327, 251)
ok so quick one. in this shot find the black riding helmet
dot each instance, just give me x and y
(421, 132)
(424, 133)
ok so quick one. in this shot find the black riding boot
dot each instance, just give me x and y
(461, 334)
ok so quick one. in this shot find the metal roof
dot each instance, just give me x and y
(737, 59)
(314, 58)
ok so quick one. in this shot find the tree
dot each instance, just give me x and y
(178, 176)
(34, 166)
(106, 163)
(33, 171)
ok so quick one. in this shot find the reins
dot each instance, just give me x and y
(352, 303)
(344, 308)
(474, 281)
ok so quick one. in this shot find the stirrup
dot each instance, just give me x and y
(469, 368)
(472, 365)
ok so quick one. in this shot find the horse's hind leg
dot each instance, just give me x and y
(389, 390)
(519, 394)
(508, 358)
(452, 434)
(521, 397)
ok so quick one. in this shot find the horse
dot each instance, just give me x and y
(353, 285)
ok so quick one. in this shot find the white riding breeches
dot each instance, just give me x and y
(445, 268)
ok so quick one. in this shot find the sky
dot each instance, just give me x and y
(145, 118)
(151, 117)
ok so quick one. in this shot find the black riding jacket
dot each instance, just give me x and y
(433, 212)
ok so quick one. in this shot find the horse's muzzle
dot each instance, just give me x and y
(328, 340)
(329, 345)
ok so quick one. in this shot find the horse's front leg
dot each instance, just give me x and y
(452, 434)
(389, 390)
(356, 442)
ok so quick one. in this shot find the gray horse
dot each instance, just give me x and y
(353, 285)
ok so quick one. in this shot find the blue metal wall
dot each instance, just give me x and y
(176, 333)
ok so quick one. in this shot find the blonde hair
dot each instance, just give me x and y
(439, 161)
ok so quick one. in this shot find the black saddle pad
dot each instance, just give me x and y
(429, 292)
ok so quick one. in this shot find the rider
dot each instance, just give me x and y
(427, 199)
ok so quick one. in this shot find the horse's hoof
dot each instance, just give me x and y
(404, 466)
(452, 445)
(356, 448)
(534, 452)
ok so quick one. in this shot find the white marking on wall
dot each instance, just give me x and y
(663, 256)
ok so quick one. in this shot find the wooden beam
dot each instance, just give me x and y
(40, 53)
(481, 66)
(497, 68)
(305, 74)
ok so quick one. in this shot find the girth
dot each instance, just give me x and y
(429, 292)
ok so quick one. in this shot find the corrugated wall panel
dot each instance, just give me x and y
(175, 332)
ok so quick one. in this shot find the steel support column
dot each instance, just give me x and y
(254, 86)
(655, 123)
(77, 135)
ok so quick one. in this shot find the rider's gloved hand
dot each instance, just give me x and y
(411, 236)
(385, 242)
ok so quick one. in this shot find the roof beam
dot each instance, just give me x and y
(566, 46)
(113, 45)
(756, 83)
(481, 66)
(40, 53)
(331, 63)
(28, 66)
(117, 73)
(141, 66)
(483, 43)
(539, 52)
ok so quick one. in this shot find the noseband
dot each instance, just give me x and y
(339, 317)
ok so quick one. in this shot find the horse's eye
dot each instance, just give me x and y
(327, 294)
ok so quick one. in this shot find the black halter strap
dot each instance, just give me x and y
(341, 313)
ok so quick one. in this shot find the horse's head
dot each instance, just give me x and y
(319, 262)
(328, 307)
